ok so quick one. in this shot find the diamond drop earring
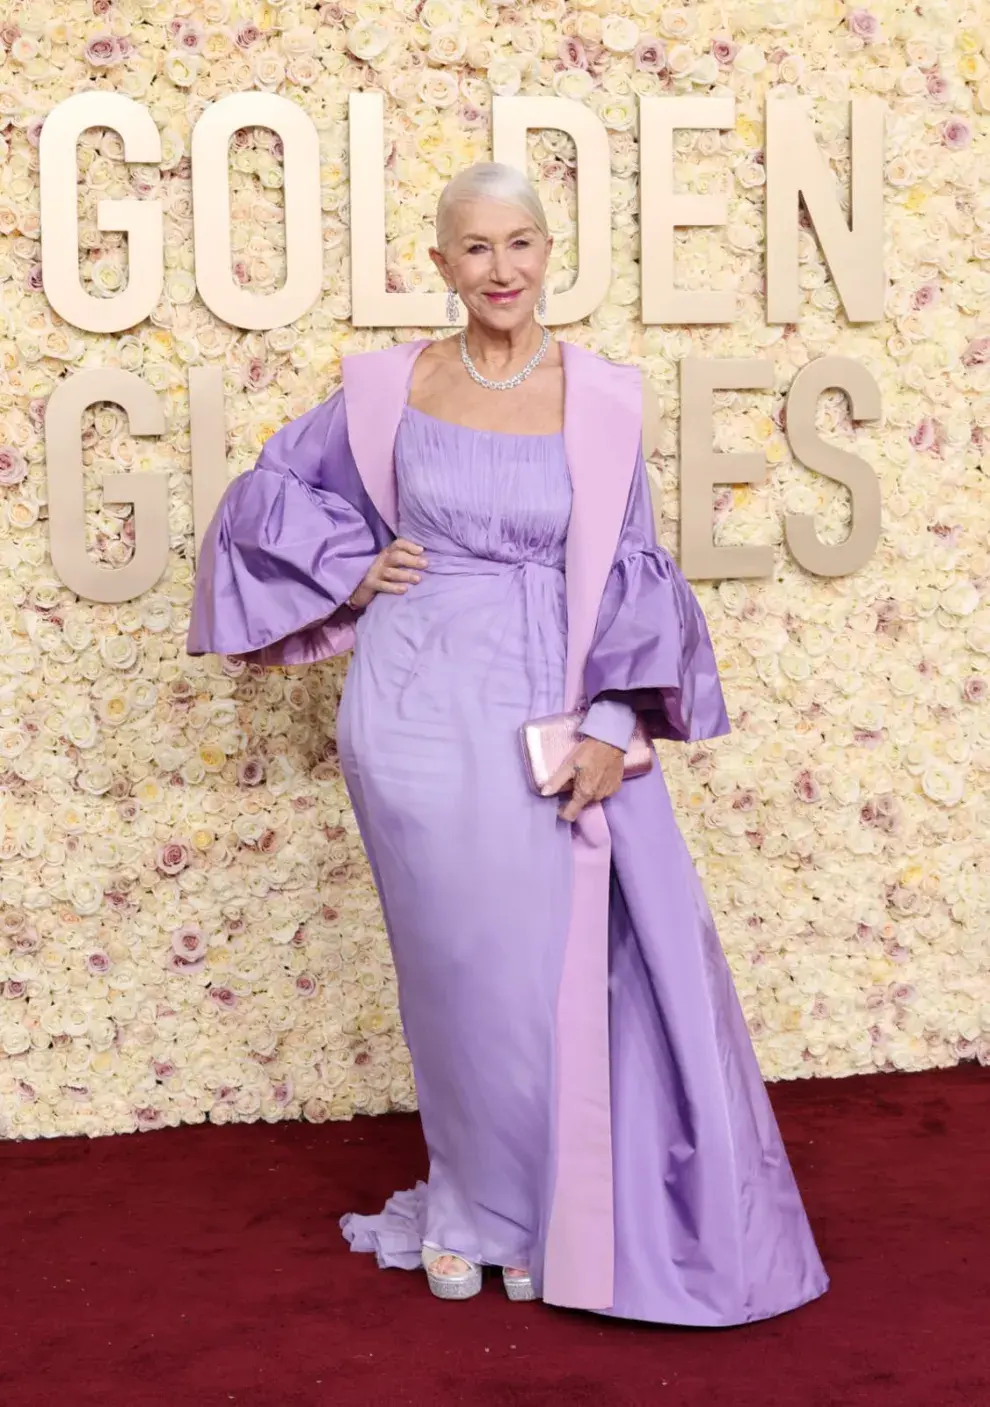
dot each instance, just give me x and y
(541, 304)
(453, 305)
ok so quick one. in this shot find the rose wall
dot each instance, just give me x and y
(189, 928)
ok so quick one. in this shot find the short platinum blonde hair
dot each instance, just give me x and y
(489, 180)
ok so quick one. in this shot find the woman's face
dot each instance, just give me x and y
(496, 258)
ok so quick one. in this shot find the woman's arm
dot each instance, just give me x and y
(290, 543)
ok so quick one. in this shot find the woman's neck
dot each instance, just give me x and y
(498, 351)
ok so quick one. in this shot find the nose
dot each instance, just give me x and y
(501, 265)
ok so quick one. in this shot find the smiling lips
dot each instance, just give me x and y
(503, 297)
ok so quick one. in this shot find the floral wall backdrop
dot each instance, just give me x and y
(189, 928)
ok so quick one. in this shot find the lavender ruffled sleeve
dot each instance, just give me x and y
(652, 651)
(288, 544)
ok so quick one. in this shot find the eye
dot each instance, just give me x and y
(524, 242)
(475, 248)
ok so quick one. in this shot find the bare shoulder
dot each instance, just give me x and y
(435, 364)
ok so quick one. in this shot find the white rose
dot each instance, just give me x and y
(959, 599)
(574, 83)
(942, 784)
(680, 59)
(750, 60)
(619, 34)
(80, 728)
(368, 40)
(182, 69)
(705, 71)
(85, 895)
(505, 78)
(447, 45)
(677, 22)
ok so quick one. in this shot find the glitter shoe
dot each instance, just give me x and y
(457, 1285)
(518, 1287)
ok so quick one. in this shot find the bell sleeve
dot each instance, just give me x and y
(652, 652)
(290, 541)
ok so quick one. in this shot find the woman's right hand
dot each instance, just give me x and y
(394, 570)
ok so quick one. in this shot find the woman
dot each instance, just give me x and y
(474, 513)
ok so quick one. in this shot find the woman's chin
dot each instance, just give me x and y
(504, 316)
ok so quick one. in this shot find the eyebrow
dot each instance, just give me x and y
(526, 229)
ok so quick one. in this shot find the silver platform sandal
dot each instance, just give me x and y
(518, 1287)
(463, 1285)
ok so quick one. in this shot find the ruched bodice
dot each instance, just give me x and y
(479, 643)
(487, 494)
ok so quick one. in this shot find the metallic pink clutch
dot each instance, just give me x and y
(548, 742)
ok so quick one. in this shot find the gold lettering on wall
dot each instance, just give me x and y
(66, 493)
(854, 250)
(702, 466)
(211, 206)
(662, 210)
(512, 118)
(840, 558)
(207, 445)
(141, 220)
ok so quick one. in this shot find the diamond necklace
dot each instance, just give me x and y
(511, 381)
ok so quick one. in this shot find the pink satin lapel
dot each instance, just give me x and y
(375, 388)
(602, 429)
(603, 417)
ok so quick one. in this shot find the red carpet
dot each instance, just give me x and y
(198, 1267)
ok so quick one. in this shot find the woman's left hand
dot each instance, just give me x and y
(596, 768)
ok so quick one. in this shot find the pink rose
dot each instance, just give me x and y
(103, 50)
(922, 437)
(27, 941)
(33, 281)
(223, 997)
(306, 984)
(257, 375)
(164, 1069)
(956, 134)
(925, 296)
(977, 353)
(149, 1118)
(188, 942)
(246, 34)
(282, 1093)
(13, 989)
(938, 87)
(806, 788)
(650, 56)
(864, 25)
(724, 52)
(98, 963)
(571, 53)
(173, 857)
(251, 771)
(12, 466)
(189, 37)
(975, 689)
(9, 34)
(180, 965)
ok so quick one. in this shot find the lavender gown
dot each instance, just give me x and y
(474, 871)
(473, 867)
